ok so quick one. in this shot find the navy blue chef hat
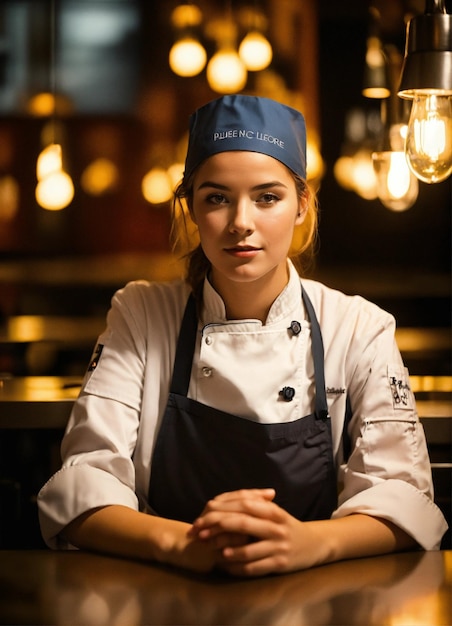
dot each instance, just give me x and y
(250, 123)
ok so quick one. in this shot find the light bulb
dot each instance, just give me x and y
(397, 187)
(157, 186)
(315, 165)
(428, 144)
(226, 72)
(363, 175)
(99, 177)
(49, 161)
(186, 15)
(176, 172)
(42, 104)
(343, 172)
(255, 51)
(55, 191)
(187, 57)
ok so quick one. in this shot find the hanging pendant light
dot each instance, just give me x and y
(255, 51)
(55, 189)
(397, 186)
(376, 79)
(427, 80)
(156, 186)
(55, 192)
(226, 72)
(187, 56)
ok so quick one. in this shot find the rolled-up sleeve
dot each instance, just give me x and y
(97, 470)
(101, 435)
(388, 473)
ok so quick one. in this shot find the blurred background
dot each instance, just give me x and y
(94, 106)
(121, 113)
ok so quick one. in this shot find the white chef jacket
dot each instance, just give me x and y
(240, 367)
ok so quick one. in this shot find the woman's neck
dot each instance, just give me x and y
(250, 299)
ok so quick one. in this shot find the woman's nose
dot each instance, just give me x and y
(242, 217)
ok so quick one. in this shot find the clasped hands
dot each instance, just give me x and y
(251, 534)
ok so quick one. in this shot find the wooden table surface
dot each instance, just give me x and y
(45, 587)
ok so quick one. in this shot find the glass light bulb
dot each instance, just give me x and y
(255, 51)
(187, 57)
(343, 172)
(157, 186)
(315, 165)
(186, 15)
(99, 177)
(397, 187)
(176, 172)
(55, 191)
(226, 72)
(49, 161)
(363, 175)
(42, 104)
(429, 138)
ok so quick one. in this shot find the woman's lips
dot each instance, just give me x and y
(244, 252)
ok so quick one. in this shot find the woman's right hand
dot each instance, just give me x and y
(123, 531)
(177, 547)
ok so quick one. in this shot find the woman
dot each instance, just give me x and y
(286, 436)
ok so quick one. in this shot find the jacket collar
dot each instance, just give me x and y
(286, 304)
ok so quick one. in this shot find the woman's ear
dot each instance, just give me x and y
(302, 209)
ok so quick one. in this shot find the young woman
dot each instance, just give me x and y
(244, 419)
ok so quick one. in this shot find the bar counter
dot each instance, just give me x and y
(44, 587)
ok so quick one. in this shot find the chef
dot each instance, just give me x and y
(244, 418)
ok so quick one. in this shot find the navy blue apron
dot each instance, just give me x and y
(201, 452)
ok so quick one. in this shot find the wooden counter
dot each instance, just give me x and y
(43, 587)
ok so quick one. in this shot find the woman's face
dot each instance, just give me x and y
(245, 205)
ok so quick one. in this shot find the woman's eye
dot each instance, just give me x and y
(268, 198)
(216, 198)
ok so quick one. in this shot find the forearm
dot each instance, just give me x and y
(357, 536)
(125, 532)
(281, 543)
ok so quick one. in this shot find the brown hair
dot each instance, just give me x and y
(186, 244)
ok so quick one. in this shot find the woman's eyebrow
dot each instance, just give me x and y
(273, 183)
(209, 183)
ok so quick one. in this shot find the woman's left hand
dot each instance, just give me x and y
(255, 535)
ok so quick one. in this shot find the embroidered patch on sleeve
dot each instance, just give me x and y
(399, 384)
(95, 357)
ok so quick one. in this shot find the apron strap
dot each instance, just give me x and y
(321, 404)
(185, 349)
(186, 346)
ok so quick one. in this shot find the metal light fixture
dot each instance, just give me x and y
(375, 81)
(427, 80)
